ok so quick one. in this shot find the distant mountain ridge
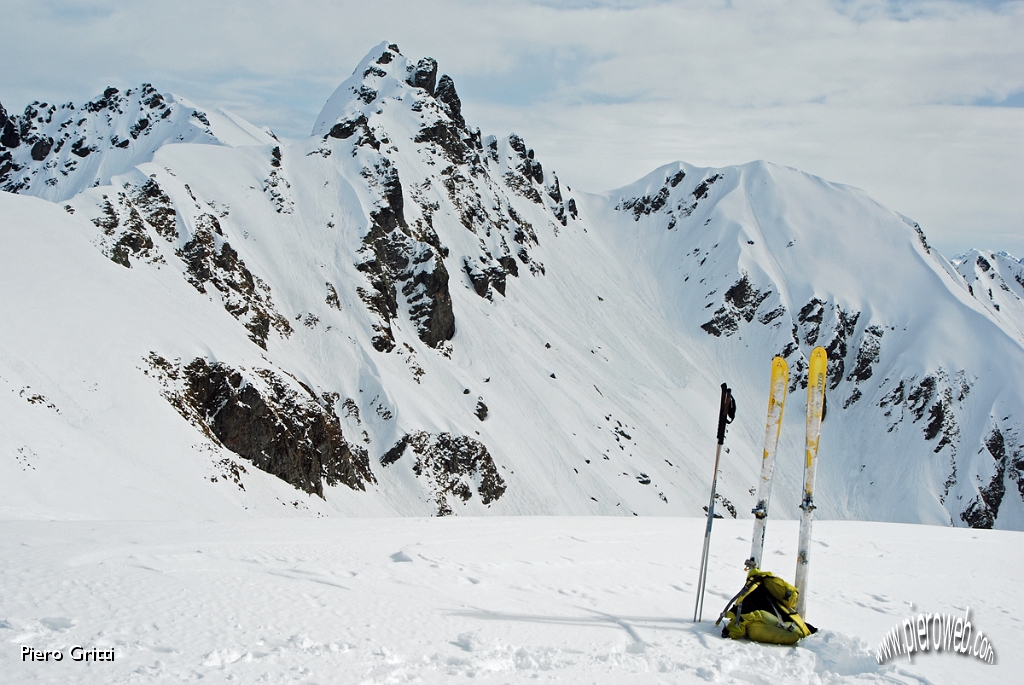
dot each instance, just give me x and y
(402, 315)
(56, 151)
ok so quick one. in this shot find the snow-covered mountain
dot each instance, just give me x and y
(402, 315)
(56, 151)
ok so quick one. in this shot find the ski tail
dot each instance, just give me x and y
(816, 373)
(776, 406)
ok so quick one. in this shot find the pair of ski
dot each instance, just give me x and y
(816, 375)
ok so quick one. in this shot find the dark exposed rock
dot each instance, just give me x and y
(723, 322)
(508, 264)
(7, 165)
(396, 452)
(424, 75)
(392, 258)
(447, 137)
(41, 149)
(920, 396)
(483, 279)
(933, 396)
(741, 302)
(210, 260)
(332, 297)
(982, 511)
(105, 101)
(10, 137)
(743, 296)
(346, 129)
(868, 354)
(450, 466)
(157, 209)
(281, 426)
(811, 315)
(81, 148)
(645, 204)
(920, 235)
(366, 94)
(431, 306)
(151, 98)
(770, 316)
(476, 277)
(481, 409)
(138, 127)
(445, 94)
(727, 504)
(846, 323)
(124, 233)
(701, 191)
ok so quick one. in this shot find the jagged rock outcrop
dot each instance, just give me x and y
(450, 467)
(211, 261)
(277, 423)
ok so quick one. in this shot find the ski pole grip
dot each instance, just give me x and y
(726, 412)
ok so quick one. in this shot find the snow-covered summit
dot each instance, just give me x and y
(402, 315)
(56, 151)
(385, 77)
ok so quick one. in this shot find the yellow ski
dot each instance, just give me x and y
(776, 405)
(815, 405)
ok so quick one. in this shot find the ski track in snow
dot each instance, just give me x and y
(496, 600)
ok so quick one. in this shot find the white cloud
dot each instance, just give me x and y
(876, 94)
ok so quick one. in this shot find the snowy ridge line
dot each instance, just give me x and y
(420, 281)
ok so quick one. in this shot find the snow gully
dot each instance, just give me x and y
(935, 632)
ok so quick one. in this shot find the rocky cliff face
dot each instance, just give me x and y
(403, 315)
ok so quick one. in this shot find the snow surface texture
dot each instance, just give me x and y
(403, 316)
(493, 600)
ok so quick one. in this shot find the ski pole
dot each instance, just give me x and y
(726, 414)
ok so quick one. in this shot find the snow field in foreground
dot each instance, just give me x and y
(588, 599)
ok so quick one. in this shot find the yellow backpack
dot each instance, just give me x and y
(765, 611)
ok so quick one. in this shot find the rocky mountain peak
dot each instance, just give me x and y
(56, 151)
(386, 76)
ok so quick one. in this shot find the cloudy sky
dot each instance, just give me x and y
(919, 102)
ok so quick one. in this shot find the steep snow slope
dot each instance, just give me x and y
(402, 315)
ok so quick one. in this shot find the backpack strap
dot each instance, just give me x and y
(748, 587)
